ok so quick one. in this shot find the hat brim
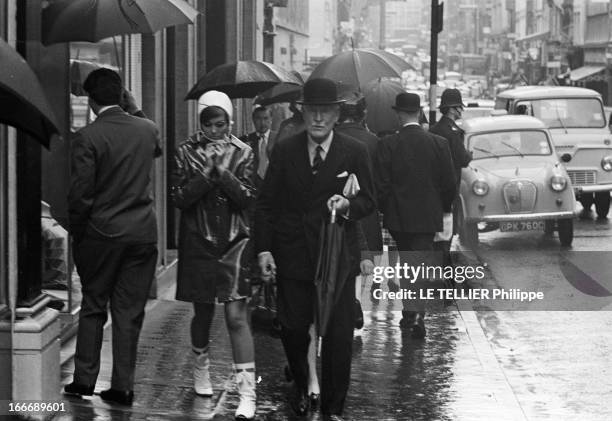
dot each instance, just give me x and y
(407, 110)
(301, 101)
(455, 104)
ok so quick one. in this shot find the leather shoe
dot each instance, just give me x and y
(78, 389)
(333, 417)
(315, 400)
(408, 318)
(417, 331)
(300, 403)
(122, 397)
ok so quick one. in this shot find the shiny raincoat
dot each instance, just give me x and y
(214, 227)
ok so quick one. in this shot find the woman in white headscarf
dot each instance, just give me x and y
(211, 184)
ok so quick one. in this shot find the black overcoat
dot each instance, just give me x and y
(415, 181)
(292, 203)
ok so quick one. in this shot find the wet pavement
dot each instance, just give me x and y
(473, 365)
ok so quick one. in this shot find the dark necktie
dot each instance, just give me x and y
(318, 160)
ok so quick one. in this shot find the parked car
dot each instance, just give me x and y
(477, 108)
(578, 125)
(515, 180)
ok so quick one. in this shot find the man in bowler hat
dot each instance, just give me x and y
(451, 107)
(114, 231)
(305, 180)
(415, 185)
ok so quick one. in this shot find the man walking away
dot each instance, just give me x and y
(114, 231)
(415, 184)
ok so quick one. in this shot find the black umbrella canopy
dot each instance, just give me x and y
(283, 92)
(359, 66)
(93, 20)
(243, 79)
(380, 97)
(23, 103)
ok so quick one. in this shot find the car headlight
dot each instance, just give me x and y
(606, 163)
(558, 183)
(480, 187)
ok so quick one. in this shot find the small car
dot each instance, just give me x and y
(577, 122)
(515, 180)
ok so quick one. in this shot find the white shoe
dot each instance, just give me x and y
(201, 375)
(245, 381)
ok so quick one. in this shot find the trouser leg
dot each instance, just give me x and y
(128, 301)
(96, 263)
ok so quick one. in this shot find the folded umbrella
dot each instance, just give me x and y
(333, 264)
(243, 79)
(93, 20)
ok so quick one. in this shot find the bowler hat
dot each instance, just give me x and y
(407, 102)
(451, 98)
(320, 91)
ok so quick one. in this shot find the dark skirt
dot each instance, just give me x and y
(206, 275)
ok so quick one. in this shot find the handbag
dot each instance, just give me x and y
(263, 309)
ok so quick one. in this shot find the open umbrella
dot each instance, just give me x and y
(93, 20)
(380, 97)
(23, 103)
(359, 66)
(243, 79)
(283, 92)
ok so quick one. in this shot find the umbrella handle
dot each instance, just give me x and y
(319, 344)
(333, 214)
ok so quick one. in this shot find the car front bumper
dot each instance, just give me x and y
(522, 217)
(592, 188)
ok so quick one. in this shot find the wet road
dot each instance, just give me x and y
(477, 362)
(557, 361)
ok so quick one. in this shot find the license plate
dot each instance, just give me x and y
(522, 226)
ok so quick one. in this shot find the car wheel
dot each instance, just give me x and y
(566, 231)
(549, 226)
(602, 204)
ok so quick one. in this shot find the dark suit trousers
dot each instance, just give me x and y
(414, 248)
(336, 349)
(121, 273)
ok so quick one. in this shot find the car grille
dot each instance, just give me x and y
(520, 196)
(582, 177)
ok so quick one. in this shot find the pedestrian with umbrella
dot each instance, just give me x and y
(304, 182)
(352, 123)
(212, 185)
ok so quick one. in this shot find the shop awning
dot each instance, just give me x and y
(584, 72)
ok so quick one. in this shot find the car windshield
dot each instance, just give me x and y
(564, 113)
(509, 143)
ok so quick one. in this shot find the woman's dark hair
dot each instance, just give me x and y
(104, 86)
(211, 112)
